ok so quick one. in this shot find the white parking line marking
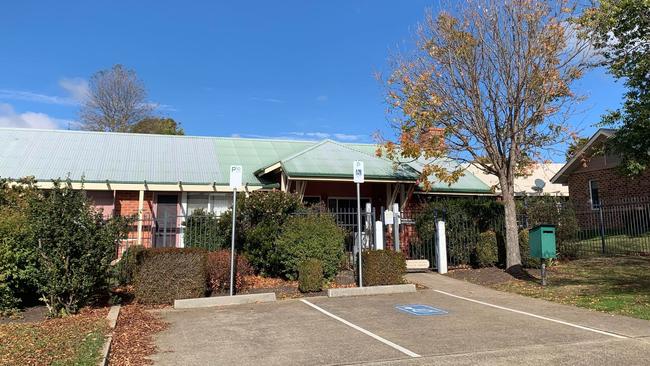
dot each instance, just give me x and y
(535, 315)
(366, 332)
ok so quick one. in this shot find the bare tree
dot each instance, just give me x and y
(488, 85)
(116, 101)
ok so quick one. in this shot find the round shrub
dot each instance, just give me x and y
(310, 275)
(383, 267)
(486, 253)
(314, 236)
(218, 271)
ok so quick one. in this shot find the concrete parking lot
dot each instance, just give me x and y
(476, 326)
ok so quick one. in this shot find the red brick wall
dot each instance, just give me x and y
(613, 189)
(126, 203)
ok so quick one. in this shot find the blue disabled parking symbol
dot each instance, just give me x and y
(420, 310)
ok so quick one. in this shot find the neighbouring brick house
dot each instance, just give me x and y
(163, 179)
(593, 180)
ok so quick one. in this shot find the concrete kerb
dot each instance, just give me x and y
(206, 302)
(112, 316)
(370, 290)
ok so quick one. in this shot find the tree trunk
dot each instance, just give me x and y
(513, 256)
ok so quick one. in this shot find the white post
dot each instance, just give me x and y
(232, 242)
(184, 214)
(441, 247)
(140, 216)
(396, 227)
(379, 235)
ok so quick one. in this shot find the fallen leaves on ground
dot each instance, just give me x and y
(133, 340)
(256, 282)
(60, 340)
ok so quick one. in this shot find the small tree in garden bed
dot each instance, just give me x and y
(383, 267)
(73, 247)
(486, 253)
(218, 271)
(314, 236)
(167, 274)
(310, 275)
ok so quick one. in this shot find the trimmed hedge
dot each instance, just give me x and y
(383, 267)
(218, 271)
(486, 253)
(310, 275)
(128, 265)
(167, 274)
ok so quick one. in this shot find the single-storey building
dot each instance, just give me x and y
(595, 183)
(537, 182)
(162, 179)
(592, 176)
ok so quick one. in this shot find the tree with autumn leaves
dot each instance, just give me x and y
(489, 84)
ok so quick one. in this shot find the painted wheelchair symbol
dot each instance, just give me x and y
(420, 310)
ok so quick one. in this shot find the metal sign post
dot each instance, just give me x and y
(235, 181)
(358, 173)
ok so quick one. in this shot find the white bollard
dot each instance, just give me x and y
(441, 247)
(379, 236)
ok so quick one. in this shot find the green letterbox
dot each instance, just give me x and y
(542, 241)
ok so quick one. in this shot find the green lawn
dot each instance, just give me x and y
(74, 340)
(619, 285)
(614, 244)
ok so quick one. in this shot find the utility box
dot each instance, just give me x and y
(541, 239)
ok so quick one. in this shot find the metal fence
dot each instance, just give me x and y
(609, 228)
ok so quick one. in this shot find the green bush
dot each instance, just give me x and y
(74, 246)
(203, 230)
(128, 265)
(555, 211)
(310, 275)
(167, 274)
(263, 215)
(383, 267)
(486, 253)
(17, 256)
(312, 235)
(524, 248)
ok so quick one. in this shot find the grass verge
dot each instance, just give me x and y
(618, 285)
(73, 340)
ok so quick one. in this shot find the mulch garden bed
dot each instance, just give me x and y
(28, 315)
(285, 289)
(74, 339)
(481, 276)
(133, 338)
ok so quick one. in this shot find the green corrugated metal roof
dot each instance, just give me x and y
(135, 158)
(334, 160)
(468, 183)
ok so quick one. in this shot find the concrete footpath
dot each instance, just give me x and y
(451, 323)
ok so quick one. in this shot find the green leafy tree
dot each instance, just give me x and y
(158, 126)
(17, 260)
(489, 85)
(73, 246)
(620, 31)
(575, 146)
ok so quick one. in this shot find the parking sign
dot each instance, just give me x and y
(235, 176)
(358, 171)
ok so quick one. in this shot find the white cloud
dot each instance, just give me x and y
(347, 137)
(322, 98)
(9, 118)
(76, 87)
(35, 97)
(267, 100)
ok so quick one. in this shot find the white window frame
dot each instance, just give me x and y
(594, 205)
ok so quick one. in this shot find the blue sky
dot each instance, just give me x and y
(296, 69)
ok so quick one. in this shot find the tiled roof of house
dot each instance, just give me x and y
(135, 158)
